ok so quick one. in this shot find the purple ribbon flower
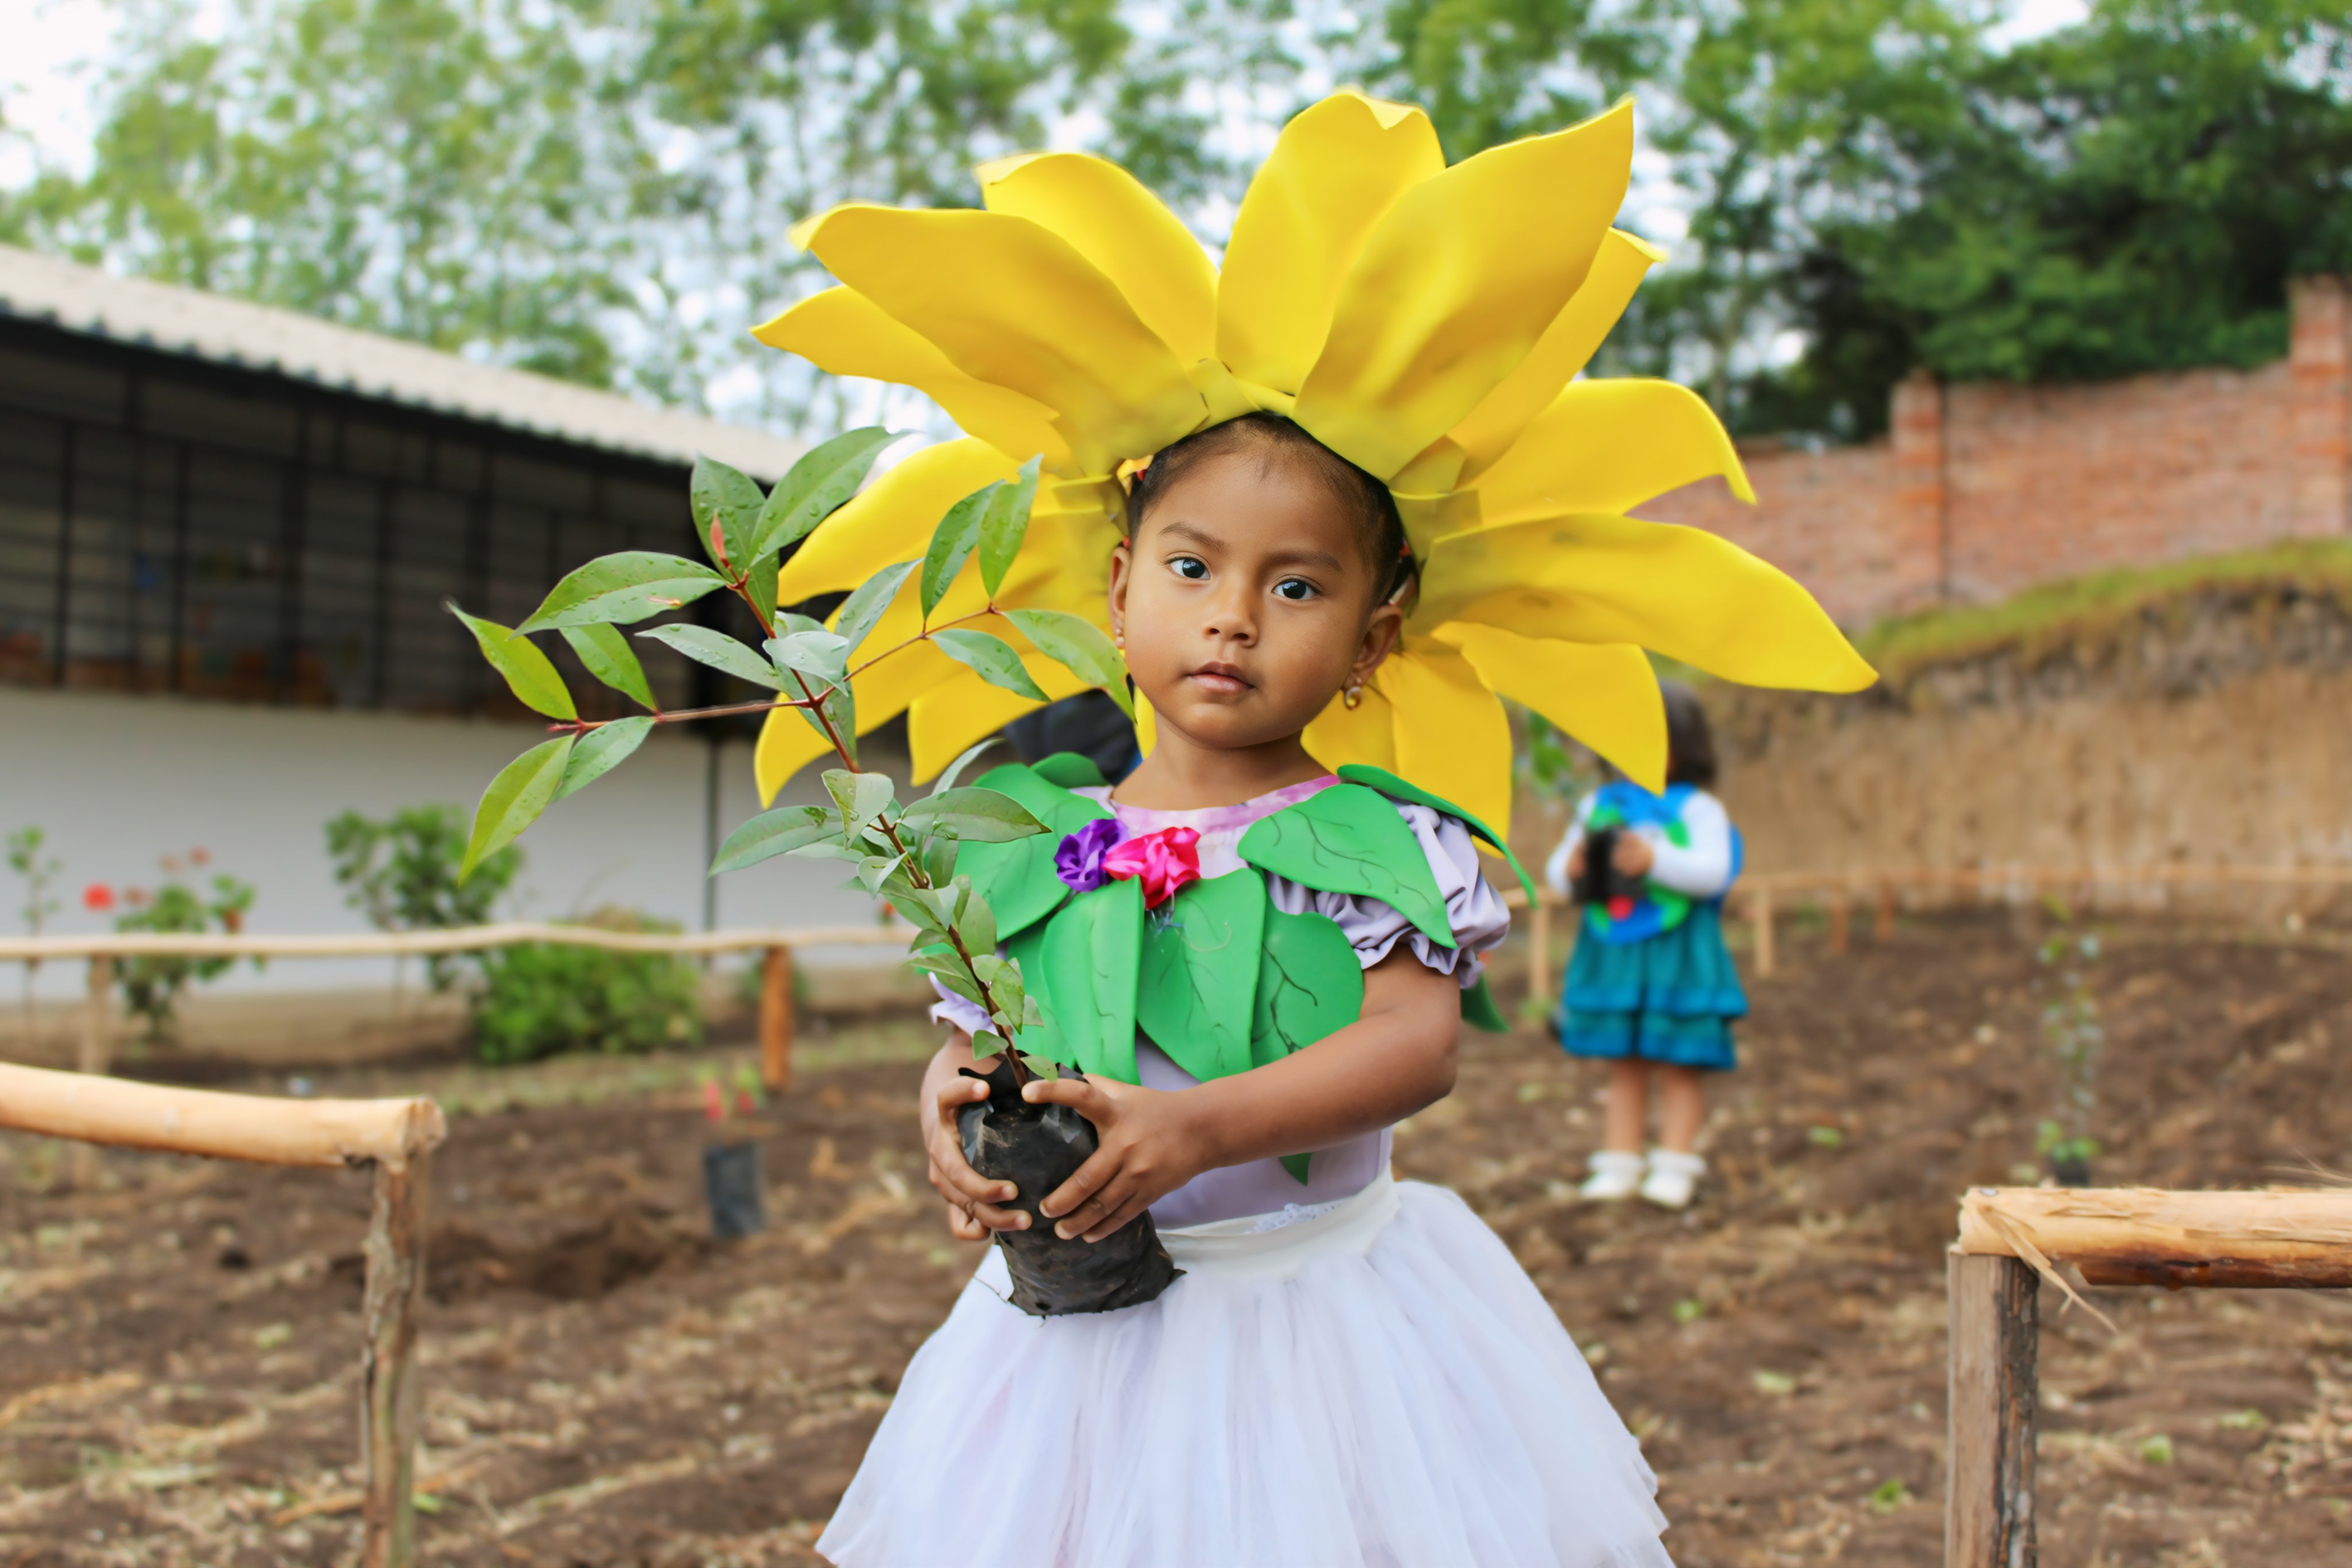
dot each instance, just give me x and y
(1080, 859)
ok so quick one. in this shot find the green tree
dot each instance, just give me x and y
(447, 171)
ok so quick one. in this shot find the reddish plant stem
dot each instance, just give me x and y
(814, 704)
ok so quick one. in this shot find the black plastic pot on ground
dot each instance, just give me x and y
(1038, 1148)
(730, 1179)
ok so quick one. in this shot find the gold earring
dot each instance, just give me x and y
(1353, 697)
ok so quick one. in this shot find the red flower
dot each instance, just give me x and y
(200, 856)
(1163, 861)
(98, 896)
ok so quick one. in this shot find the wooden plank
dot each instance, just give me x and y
(1882, 928)
(1760, 909)
(1988, 1493)
(776, 1019)
(388, 1378)
(327, 1133)
(457, 938)
(2129, 1236)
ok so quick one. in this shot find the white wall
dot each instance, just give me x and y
(119, 781)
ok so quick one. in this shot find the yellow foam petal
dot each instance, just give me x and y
(947, 720)
(1109, 219)
(1607, 696)
(1564, 350)
(1341, 735)
(1681, 592)
(1609, 446)
(841, 332)
(1452, 736)
(1454, 286)
(891, 519)
(1338, 166)
(1147, 726)
(1012, 303)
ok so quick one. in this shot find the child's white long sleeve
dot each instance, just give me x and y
(1699, 869)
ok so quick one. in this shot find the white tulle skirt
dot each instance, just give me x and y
(1378, 1387)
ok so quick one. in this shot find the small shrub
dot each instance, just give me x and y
(152, 987)
(542, 999)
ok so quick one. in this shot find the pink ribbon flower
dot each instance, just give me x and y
(1163, 861)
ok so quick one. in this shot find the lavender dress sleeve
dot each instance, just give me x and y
(1474, 909)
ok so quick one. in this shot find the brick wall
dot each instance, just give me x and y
(1981, 490)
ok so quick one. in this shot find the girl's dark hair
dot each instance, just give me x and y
(1690, 745)
(1271, 435)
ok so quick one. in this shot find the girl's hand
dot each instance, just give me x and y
(1576, 863)
(1633, 856)
(971, 1198)
(1148, 1148)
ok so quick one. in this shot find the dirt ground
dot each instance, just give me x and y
(604, 1385)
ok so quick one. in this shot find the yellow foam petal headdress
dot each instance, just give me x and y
(1428, 323)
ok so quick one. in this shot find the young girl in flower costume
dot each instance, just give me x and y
(1329, 502)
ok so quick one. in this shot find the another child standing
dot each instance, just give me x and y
(1652, 989)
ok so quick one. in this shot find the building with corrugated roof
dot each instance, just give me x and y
(228, 534)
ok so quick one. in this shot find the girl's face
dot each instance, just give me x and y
(1245, 601)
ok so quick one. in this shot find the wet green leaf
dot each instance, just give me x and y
(819, 655)
(523, 790)
(990, 658)
(1005, 525)
(978, 816)
(607, 656)
(951, 544)
(726, 503)
(601, 750)
(719, 651)
(528, 672)
(859, 797)
(863, 608)
(1080, 647)
(622, 589)
(826, 476)
(777, 832)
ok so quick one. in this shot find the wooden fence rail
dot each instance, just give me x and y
(1757, 897)
(103, 950)
(2009, 1236)
(395, 1138)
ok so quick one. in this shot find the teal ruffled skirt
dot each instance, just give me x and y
(1668, 998)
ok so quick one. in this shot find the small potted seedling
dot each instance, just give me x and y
(731, 1177)
(903, 853)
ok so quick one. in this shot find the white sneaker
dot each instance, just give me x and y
(1673, 1178)
(1616, 1174)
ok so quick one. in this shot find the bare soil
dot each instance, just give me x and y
(606, 1385)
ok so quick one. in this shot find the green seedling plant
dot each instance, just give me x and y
(904, 853)
(25, 858)
(2072, 1026)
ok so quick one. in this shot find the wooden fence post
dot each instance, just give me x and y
(1760, 909)
(776, 1019)
(1539, 948)
(395, 1293)
(1884, 930)
(1988, 1490)
(1840, 921)
(95, 1052)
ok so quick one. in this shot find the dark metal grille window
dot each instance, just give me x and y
(167, 525)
